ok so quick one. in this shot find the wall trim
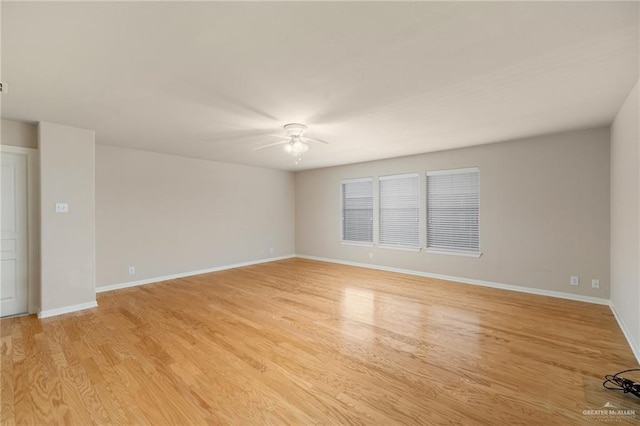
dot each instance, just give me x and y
(67, 309)
(521, 289)
(154, 280)
(625, 330)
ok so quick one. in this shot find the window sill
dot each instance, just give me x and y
(402, 248)
(453, 253)
(356, 243)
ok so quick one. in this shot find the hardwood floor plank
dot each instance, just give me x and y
(24, 365)
(7, 390)
(305, 342)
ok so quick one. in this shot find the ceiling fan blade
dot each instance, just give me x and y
(308, 139)
(270, 145)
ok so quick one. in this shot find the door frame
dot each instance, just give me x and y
(33, 222)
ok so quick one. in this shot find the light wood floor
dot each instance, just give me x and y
(304, 342)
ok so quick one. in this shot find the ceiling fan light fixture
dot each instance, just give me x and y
(293, 142)
(298, 147)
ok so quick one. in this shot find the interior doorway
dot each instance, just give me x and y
(18, 231)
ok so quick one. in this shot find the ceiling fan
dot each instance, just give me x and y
(295, 143)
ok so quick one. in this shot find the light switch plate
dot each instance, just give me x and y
(62, 207)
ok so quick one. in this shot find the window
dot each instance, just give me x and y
(400, 211)
(453, 211)
(357, 210)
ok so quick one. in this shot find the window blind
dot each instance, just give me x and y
(400, 211)
(453, 210)
(357, 210)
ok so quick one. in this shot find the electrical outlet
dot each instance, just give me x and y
(595, 283)
(271, 250)
(575, 281)
(132, 270)
(370, 255)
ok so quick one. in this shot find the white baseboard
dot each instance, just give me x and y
(67, 309)
(634, 346)
(128, 284)
(530, 290)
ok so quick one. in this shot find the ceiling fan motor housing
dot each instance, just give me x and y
(295, 130)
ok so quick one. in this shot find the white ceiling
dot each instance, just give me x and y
(377, 80)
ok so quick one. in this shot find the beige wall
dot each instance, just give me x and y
(16, 133)
(168, 215)
(544, 212)
(67, 239)
(625, 215)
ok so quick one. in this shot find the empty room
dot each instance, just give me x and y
(371, 213)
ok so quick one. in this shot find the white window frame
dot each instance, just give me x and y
(351, 242)
(404, 247)
(451, 251)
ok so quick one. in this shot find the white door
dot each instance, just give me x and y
(14, 261)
